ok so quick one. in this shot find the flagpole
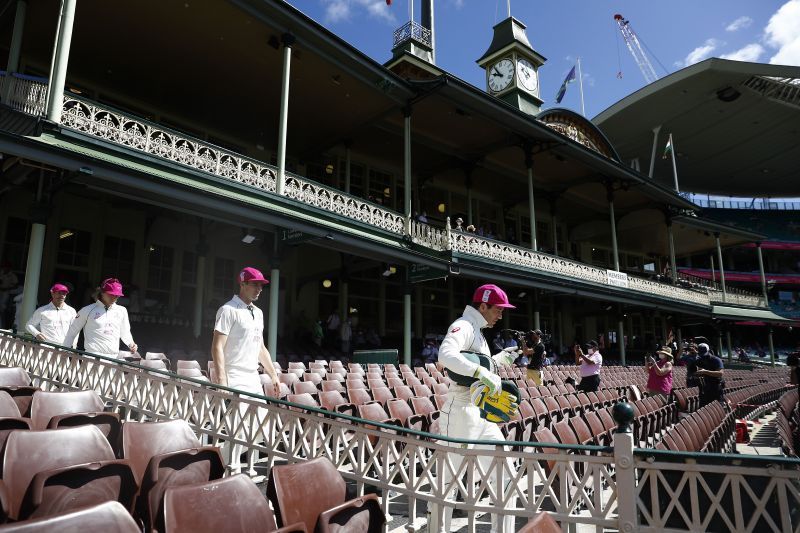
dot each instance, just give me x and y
(580, 80)
(508, 3)
(674, 166)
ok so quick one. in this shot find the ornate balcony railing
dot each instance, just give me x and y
(120, 128)
(25, 93)
(611, 488)
(411, 30)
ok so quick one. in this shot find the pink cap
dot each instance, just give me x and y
(58, 287)
(251, 274)
(492, 295)
(112, 286)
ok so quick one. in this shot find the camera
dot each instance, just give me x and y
(525, 338)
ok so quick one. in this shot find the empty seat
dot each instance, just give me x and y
(187, 363)
(313, 492)
(108, 517)
(10, 418)
(162, 455)
(233, 505)
(50, 410)
(53, 471)
(541, 523)
(14, 377)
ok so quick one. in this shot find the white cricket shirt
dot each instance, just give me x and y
(52, 322)
(102, 327)
(245, 330)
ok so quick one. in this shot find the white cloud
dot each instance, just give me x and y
(783, 33)
(738, 24)
(700, 53)
(344, 10)
(752, 52)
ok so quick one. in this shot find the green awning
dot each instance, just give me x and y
(741, 313)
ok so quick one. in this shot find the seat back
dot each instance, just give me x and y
(541, 523)
(46, 405)
(188, 363)
(399, 409)
(30, 452)
(301, 387)
(108, 516)
(330, 399)
(141, 441)
(14, 377)
(300, 492)
(8, 407)
(232, 504)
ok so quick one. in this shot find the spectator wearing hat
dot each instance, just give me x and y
(238, 346)
(659, 373)
(709, 370)
(537, 359)
(590, 364)
(460, 418)
(104, 323)
(51, 322)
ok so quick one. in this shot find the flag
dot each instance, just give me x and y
(562, 91)
(667, 148)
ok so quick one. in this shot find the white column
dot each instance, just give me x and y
(288, 40)
(14, 50)
(614, 248)
(672, 262)
(554, 221)
(721, 268)
(763, 276)
(531, 203)
(382, 307)
(407, 167)
(655, 148)
(32, 272)
(537, 323)
(347, 169)
(418, 311)
(58, 73)
(730, 345)
(272, 321)
(407, 325)
(199, 294)
(771, 346)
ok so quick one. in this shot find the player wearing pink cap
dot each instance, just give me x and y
(104, 323)
(51, 322)
(459, 417)
(238, 344)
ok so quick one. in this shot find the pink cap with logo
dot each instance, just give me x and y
(59, 287)
(251, 274)
(112, 286)
(492, 295)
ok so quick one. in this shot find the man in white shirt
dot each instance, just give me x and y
(104, 323)
(51, 322)
(459, 417)
(238, 347)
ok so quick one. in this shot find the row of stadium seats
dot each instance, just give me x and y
(709, 429)
(788, 422)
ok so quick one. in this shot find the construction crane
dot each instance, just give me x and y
(635, 47)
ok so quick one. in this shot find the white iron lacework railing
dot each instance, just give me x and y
(25, 93)
(469, 243)
(119, 128)
(411, 30)
(616, 488)
(408, 467)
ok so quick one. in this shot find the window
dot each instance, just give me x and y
(600, 257)
(224, 278)
(380, 188)
(159, 273)
(73, 248)
(118, 258)
(189, 269)
(15, 249)
(356, 178)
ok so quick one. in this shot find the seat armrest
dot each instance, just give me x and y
(370, 502)
(210, 453)
(421, 419)
(347, 408)
(298, 527)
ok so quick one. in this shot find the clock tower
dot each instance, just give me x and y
(512, 67)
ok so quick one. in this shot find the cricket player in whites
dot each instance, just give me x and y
(465, 353)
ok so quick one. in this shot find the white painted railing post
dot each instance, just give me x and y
(625, 471)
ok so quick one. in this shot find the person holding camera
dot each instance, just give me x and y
(536, 361)
(659, 373)
(590, 364)
(709, 375)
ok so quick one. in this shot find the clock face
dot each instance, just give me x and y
(527, 75)
(501, 74)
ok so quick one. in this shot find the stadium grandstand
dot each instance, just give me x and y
(375, 198)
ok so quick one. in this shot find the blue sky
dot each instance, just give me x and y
(676, 34)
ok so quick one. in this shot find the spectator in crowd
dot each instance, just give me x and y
(346, 335)
(104, 323)
(51, 322)
(316, 333)
(332, 325)
(659, 373)
(690, 361)
(459, 224)
(709, 373)
(430, 352)
(793, 362)
(590, 364)
(536, 362)
(8, 282)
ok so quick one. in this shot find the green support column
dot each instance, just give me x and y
(283, 124)
(407, 323)
(33, 270)
(199, 291)
(14, 50)
(58, 70)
